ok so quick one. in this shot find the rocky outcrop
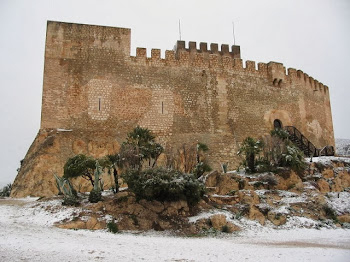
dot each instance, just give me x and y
(48, 154)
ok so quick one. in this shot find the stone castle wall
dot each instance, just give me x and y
(92, 84)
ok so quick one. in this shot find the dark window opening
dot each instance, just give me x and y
(99, 104)
(162, 108)
(277, 124)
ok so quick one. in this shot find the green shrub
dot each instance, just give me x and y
(112, 227)
(95, 196)
(6, 190)
(225, 229)
(330, 213)
(251, 148)
(164, 185)
(201, 168)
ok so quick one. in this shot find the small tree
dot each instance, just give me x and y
(80, 165)
(112, 163)
(95, 194)
(6, 190)
(140, 146)
(250, 148)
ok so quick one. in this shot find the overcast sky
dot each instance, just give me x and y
(310, 35)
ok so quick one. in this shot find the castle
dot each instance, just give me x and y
(94, 93)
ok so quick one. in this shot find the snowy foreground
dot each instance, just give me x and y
(28, 234)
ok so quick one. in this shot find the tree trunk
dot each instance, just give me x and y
(251, 162)
(116, 183)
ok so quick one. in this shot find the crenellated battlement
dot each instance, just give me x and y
(203, 48)
(226, 60)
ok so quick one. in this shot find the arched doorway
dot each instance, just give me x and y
(277, 124)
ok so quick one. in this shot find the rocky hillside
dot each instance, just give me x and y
(235, 201)
(342, 147)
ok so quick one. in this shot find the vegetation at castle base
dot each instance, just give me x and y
(137, 160)
(250, 148)
(6, 190)
(65, 188)
(189, 158)
(164, 185)
(95, 193)
(140, 147)
(275, 151)
(80, 165)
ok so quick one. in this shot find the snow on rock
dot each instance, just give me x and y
(327, 160)
(339, 202)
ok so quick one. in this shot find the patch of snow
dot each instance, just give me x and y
(294, 199)
(25, 237)
(283, 193)
(339, 202)
(327, 160)
(282, 210)
(205, 215)
(64, 130)
(222, 196)
(261, 192)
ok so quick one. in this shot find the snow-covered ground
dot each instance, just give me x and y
(342, 146)
(27, 234)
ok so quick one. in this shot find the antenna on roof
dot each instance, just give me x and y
(233, 33)
(180, 28)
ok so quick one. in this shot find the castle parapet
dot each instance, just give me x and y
(224, 59)
(203, 48)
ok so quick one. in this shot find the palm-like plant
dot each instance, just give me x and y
(250, 148)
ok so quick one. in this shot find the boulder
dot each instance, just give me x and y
(255, 214)
(94, 224)
(276, 218)
(154, 205)
(290, 181)
(323, 185)
(328, 173)
(232, 227)
(248, 197)
(218, 221)
(341, 181)
(344, 218)
(221, 184)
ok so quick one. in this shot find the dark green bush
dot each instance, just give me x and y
(330, 213)
(95, 196)
(112, 227)
(70, 201)
(164, 185)
(225, 229)
(6, 190)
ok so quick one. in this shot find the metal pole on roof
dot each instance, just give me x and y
(233, 33)
(180, 28)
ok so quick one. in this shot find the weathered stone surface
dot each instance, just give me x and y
(344, 218)
(154, 206)
(232, 227)
(328, 173)
(218, 221)
(323, 185)
(224, 183)
(291, 182)
(276, 218)
(341, 181)
(248, 197)
(255, 214)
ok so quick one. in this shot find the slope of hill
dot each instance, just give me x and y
(342, 147)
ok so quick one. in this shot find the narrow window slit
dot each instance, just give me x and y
(162, 107)
(99, 104)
